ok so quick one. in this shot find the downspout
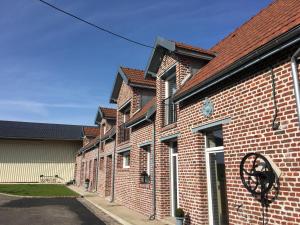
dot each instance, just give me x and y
(113, 173)
(153, 215)
(296, 81)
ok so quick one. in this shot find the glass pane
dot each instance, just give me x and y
(172, 86)
(218, 188)
(174, 147)
(214, 138)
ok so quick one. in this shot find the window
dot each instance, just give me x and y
(101, 166)
(145, 164)
(102, 145)
(216, 179)
(126, 114)
(126, 159)
(170, 107)
(123, 131)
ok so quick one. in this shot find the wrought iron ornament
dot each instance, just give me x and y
(207, 108)
(260, 178)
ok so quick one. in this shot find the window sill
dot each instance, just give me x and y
(169, 127)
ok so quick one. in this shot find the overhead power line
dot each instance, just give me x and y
(95, 26)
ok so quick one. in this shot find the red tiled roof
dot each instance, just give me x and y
(91, 131)
(193, 48)
(108, 112)
(91, 144)
(142, 113)
(273, 21)
(137, 77)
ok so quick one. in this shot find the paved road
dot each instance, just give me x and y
(50, 211)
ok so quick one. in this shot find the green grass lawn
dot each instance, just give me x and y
(54, 190)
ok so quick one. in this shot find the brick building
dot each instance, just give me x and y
(184, 125)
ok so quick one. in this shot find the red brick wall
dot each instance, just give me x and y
(249, 104)
(87, 170)
(183, 69)
(104, 181)
(129, 190)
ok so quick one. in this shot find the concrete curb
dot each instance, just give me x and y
(22, 196)
(117, 218)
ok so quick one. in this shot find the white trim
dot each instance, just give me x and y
(124, 104)
(209, 192)
(163, 74)
(124, 156)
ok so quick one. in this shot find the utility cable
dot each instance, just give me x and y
(95, 26)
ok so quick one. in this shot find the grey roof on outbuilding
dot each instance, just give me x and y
(39, 131)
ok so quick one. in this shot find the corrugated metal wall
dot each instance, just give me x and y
(25, 161)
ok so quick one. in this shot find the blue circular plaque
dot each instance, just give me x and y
(207, 108)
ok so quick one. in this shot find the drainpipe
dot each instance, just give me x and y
(153, 215)
(113, 172)
(296, 80)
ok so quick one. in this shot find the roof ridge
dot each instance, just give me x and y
(242, 25)
(195, 47)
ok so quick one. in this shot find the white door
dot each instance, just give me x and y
(216, 180)
(174, 177)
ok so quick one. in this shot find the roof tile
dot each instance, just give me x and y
(278, 18)
(196, 49)
(91, 131)
(136, 76)
(108, 112)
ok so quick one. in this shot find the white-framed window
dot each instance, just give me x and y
(126, 159)
(216, 177)
(170, 107)
(148, 159)
(170, 85)
(145, 164)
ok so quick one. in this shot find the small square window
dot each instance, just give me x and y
(126, 159)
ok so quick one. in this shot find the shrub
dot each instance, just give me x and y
(179, 212)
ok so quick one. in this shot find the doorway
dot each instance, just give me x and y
(174, 177)
(216, 177)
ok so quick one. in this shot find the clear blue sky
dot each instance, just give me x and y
(58, 70)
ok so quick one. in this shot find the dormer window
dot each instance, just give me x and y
(169, 106)
(123, 131)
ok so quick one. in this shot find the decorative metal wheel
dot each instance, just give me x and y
(257, 175)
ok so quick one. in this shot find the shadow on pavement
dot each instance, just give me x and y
(85, 216)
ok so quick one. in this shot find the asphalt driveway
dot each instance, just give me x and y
(49, 211)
